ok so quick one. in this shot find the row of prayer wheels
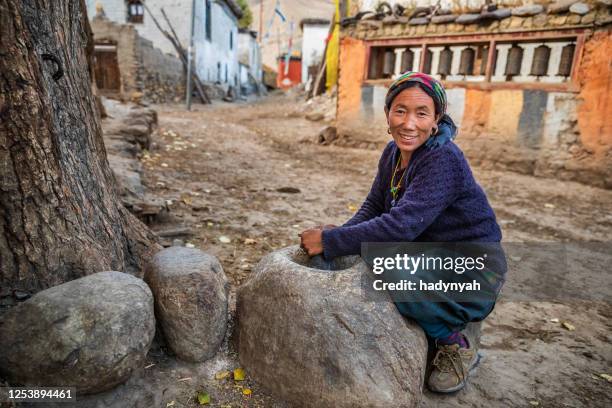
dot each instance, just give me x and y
(539, 65)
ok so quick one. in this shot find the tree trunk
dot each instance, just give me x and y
(60, 216)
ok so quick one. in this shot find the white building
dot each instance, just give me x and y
(215, 30)
(249, 57)
(314, 35)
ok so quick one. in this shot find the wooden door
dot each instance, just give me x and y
(108, 77)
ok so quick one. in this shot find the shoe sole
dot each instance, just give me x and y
(460, 386)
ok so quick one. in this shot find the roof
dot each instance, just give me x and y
(252, 33)
(313, 21)
(234, 7)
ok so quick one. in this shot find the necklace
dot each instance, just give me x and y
(396, 187)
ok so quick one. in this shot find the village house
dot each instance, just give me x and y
(215, 37)
(250, 61)
(314, 37)
(527, 84)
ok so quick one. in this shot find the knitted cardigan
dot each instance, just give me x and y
(439, 202)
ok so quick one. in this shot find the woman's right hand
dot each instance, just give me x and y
(326, 226)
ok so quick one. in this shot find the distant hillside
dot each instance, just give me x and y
(294, 10)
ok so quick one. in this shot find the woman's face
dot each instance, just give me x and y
(411, 118)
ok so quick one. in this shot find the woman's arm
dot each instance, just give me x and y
(438, 181)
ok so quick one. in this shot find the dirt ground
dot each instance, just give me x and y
(247, 177)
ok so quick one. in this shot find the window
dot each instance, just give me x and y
(135, 11)
(208, 21)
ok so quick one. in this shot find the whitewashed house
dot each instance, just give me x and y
(249, 58)
(314, 35)
(215, 30)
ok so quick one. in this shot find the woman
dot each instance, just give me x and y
(424, 191)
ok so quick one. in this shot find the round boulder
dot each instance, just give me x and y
(191, 292)
(90, 333)
(315, 338)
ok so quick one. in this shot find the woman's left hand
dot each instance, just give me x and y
(312, 241)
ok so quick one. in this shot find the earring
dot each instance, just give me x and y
(389, 130)
(434, 130)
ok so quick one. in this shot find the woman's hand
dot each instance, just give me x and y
(312, 241)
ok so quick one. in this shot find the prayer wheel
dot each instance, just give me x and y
(466, 67)
(389, 63)
(541, 56)
(407, 60)
(515, 59)
(446, 59)
(373, 68)
(567, 58)
(485, 60)
(427, 62)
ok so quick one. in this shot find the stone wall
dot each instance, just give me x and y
(146, 72)
(559, 130)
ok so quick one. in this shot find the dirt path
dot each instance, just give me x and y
(251, 175)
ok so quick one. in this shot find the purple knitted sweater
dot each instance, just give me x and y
(439, 202)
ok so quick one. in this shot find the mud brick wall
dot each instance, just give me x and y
(552, 130)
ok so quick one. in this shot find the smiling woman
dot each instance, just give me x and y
(424, 191)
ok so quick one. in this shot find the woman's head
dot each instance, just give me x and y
(416, 110)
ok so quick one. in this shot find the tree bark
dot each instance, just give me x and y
(60, 215)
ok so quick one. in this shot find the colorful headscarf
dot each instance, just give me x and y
(446, 127)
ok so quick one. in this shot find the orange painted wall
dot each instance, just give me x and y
(351, 73)
(476, 113)
(595, 109)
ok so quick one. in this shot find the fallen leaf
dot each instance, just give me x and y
(222, 374)
(246, 391)
(549, 205)
(568, 326)
(534, 403)
(249, 241)
(606, 377)
(203, 398)
(170, 404)
(554, 320)
(239, 374)
(225, 240)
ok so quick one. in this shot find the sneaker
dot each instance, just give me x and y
(451, 367)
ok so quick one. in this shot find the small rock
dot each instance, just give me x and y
(529, 10)
(327, 135)
(90, 333)
(467, 19)
(579, 8)
(443, 19)
(315, 116)
(419, 21)
(560, 6)
(190, 291)
(225, 240)
(498, 14)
